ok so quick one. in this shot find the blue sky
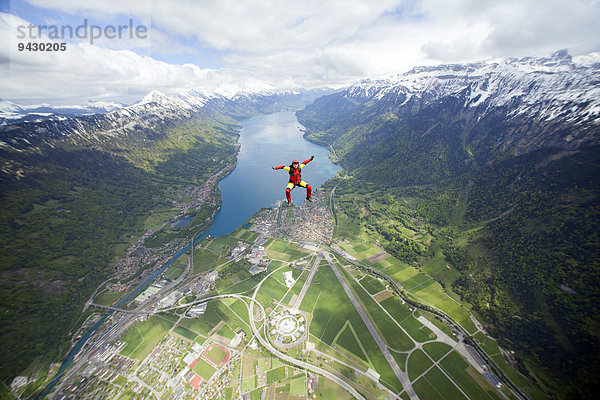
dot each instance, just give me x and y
(228, 45)
(42, 16)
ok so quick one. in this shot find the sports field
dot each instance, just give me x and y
(204, 369)
(216, 353)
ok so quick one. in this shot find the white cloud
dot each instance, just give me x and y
(85, 71)
(308, 43)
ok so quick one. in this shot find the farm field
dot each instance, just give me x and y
(143, 337)
(473, 384)
(331, 310)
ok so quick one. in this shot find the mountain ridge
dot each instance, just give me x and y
(76, 192)
(553, 91)
(500, 160)
(11, 112)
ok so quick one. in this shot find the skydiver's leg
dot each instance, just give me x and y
(308, 190)
(288, 192)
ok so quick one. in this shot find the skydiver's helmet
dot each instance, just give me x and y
(295, 161)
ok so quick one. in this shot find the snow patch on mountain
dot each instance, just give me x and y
(9, 110)
(549, 87)
(103, 106)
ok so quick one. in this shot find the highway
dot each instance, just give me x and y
(402, 377)
(308, 281)
(267, 345)
(121, 323)
(302, 364)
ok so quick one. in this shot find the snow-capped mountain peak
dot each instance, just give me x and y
(197, 97)
(549, 87)
(8, 109)
(155, 96)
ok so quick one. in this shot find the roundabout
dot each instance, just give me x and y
(287, 328)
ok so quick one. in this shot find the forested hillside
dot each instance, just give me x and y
(508, 199)
(76, 193)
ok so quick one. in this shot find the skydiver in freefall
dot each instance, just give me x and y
(294, 170)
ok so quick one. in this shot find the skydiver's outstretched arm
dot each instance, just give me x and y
(306, 162)
(280, 167)
(309, 160)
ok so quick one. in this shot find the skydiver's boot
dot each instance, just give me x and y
(308, 192)
(288, 195)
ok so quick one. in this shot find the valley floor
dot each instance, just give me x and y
(279, 311)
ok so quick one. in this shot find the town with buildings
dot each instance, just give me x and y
(248, 318)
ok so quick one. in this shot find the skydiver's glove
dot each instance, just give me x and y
(272, 166)
(312, 158)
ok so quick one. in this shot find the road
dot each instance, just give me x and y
(309, 279)
(91, 299)
(402, 377)
(266, 344)
(121, 323)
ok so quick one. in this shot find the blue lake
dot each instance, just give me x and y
(273, 139)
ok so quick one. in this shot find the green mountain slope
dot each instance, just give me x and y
(76, 193)
(518, 228)
(72, 210)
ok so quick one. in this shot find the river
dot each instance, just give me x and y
(264, 140)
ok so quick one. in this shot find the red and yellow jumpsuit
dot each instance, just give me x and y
(296, 179)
